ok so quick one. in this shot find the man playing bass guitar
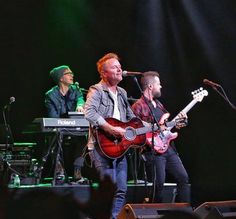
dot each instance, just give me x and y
(164, 159)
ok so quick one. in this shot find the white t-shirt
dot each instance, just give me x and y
(116, 112)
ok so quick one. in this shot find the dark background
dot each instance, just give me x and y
(185, 40)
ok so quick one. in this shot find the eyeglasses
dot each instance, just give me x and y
(69, 73)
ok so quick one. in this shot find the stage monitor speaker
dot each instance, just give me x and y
(217, 210)
(149, 211)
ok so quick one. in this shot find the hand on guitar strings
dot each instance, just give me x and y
(181, 120)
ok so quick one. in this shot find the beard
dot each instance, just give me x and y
(156, 94)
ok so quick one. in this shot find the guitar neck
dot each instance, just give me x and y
(189, 106)
(185, 110)
(145, 129)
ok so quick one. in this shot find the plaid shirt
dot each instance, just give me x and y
(142, 111)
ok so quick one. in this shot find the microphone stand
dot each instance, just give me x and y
(8, 134)
(223, 95)
(154, 121)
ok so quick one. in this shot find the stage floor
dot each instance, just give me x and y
(136, 192)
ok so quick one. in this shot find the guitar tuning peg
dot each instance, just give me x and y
(195, 92)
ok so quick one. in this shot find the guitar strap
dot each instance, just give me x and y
(156, 111)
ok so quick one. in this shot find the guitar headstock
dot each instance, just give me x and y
(199, 94)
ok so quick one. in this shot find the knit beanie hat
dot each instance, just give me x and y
(58, 72)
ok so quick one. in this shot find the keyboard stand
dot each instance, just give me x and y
(54, 149)
(58, 154)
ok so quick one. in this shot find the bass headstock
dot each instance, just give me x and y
(199, 94)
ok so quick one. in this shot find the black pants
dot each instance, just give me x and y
(158, 165)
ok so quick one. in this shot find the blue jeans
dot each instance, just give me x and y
(117, 170)
(170, 163)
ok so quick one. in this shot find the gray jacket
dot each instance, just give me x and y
(100, 105)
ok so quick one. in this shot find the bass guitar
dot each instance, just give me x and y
(115, 147)
(161, 140)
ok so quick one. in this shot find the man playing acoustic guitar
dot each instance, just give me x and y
(163, 158)
(107, 100)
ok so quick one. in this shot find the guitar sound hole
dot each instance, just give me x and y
(130, 134)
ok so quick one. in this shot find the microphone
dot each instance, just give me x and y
(11, 100)
(7, 106)
(210, 83)
(130, 73)
(82, 89)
